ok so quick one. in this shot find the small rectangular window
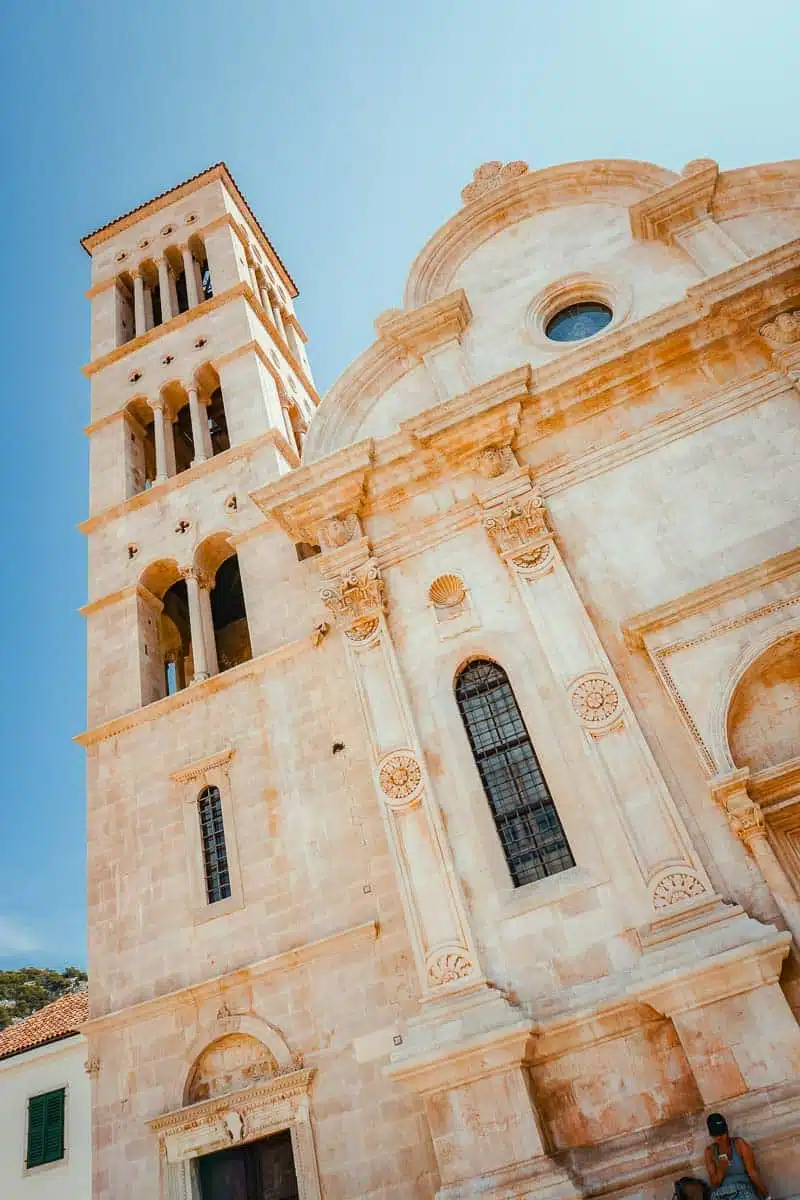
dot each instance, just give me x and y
(45, 1128)
(215, 854)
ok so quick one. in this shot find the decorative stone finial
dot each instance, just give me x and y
(492, 175)
(697, 165)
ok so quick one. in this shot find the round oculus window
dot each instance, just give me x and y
(579, 321)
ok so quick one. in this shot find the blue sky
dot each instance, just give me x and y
(351, 127)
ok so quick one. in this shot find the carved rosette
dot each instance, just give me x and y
(519, 523)
(783, 330)
(676, 888)
(596, 702)
(399, 778)
(448, 966)
(359, 594)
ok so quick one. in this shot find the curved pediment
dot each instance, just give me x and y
(621, 234)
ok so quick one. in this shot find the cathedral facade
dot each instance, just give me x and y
(443, 740)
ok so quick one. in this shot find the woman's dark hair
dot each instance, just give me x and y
(717, 1125)
(689, 1188)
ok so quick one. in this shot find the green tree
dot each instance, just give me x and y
(24, 991)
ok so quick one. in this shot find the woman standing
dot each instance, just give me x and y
(731, 1165)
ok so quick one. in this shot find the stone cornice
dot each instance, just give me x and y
(273, 437)
(192, 693)
(487, 415)
(241, 289)
(134, 589)
(152, 335)
(773, 785)
(195, 993)
(741, 583)
(334, 487)
(200, 768)
(719, 406)
(423, 329)
(593, 374)
(282, 1086)
(688, 200)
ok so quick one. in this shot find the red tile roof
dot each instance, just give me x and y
(60, 1019)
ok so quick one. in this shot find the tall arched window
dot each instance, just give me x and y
(531, 834)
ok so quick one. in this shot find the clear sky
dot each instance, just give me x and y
(351, 126)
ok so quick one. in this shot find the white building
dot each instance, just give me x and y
(45, 1105)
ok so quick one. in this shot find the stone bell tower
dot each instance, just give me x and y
(198, 367)
(200, 391)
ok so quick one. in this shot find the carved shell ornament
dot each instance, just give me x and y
(676, 888)
(448, 967)
(595, 699)
(447, 591)
(399, 776)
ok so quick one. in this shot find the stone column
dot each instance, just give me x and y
(139, 319)
(626, 773)
(206, 588)
(200, 435)
(192, 296)
(164, 460)
(747, 822)
(164, 290)
(197, 623)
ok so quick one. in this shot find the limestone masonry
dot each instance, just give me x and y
(443, 739)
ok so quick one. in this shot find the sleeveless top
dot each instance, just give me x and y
(736, 1180)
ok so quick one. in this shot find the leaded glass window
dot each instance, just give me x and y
(579, 321)
(528, 826)
(215, 855)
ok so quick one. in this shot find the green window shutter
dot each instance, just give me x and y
(54, 1127)
(45, 1128)
(37, 1107)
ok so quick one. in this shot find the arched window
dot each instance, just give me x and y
(531, 834)
(215, 854)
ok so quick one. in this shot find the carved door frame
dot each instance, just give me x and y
(235, 1119)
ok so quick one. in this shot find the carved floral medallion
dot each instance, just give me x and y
(399, 776)
(595, 700)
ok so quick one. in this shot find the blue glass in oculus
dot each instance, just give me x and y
(579, 321)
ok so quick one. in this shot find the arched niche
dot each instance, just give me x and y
(763, 724)
(230, 1064)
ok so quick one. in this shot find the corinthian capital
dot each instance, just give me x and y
(357, 595)
(747, 823)
(522, 521)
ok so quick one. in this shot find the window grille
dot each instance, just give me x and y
(45, 1128)
(530, 831)
(215, 855)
